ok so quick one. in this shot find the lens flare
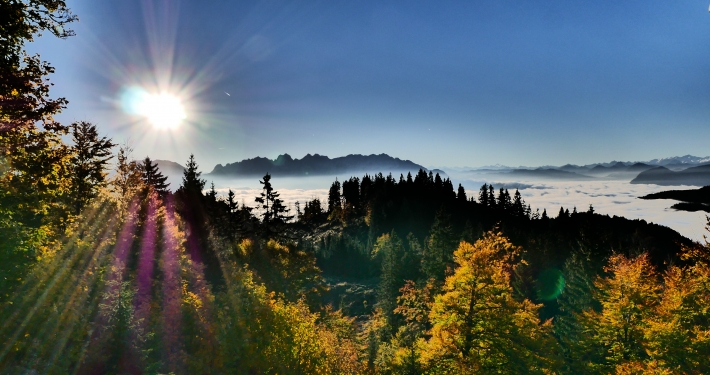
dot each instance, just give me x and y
(550, 284)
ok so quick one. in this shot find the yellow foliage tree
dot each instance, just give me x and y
(679, 333)
(628, 297)
(477, 324)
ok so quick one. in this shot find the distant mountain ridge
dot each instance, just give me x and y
(314, 165)
(674, 162)
(699, 176)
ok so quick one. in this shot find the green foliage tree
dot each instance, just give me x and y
(35, 178)
(439, 249)
(391, 252)
(90, 158)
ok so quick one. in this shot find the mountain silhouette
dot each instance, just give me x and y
(699, 176)
(315, 165)
(549, 173)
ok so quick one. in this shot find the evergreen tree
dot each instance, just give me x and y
(351, 193)
(483, 195)
(192, 184)
(461, 194)
(90, 158)
(561, 214)
(274, 212)
(439, 249)
(491, 196)
(518, 204)
(576, 297)
(212, 194)
(544, 214)
(390, 250)
(232, 205)
(334, 197)
(152, 177)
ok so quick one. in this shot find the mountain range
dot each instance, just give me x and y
(699, 175)
(681, 170)
(314, 165)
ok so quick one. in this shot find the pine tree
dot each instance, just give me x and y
(461, 194)
(483, 195)
(232, 205)
(576, 297)
(91, 155)
(561, 214)
(192, 184)
(439, 249)
(274, 212)
(152, 177)
(390, 250)
(334, 198)
(491, 196)
(518, 204)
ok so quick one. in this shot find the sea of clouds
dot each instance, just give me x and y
(607, 197)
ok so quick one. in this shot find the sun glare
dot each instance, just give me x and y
(162, 110)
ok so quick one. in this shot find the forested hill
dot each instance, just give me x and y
(310, 165)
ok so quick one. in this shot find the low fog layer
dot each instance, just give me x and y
(607, 197)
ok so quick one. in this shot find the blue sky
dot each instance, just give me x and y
(445, 83)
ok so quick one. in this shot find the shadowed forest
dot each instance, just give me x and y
(104, 269)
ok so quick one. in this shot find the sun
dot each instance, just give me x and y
(163, 110)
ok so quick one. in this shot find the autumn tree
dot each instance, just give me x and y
(126, 181)
(628, 297)
(679, 333)
(477, 324)
(35, 178)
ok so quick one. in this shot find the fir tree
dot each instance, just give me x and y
(91, 156)
(483, 195)
(439, 249)
(274, 212)
(334, 197)
(152, 177)
(461, 194)
(192, 184)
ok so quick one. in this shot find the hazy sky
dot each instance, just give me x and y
(445, 83)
